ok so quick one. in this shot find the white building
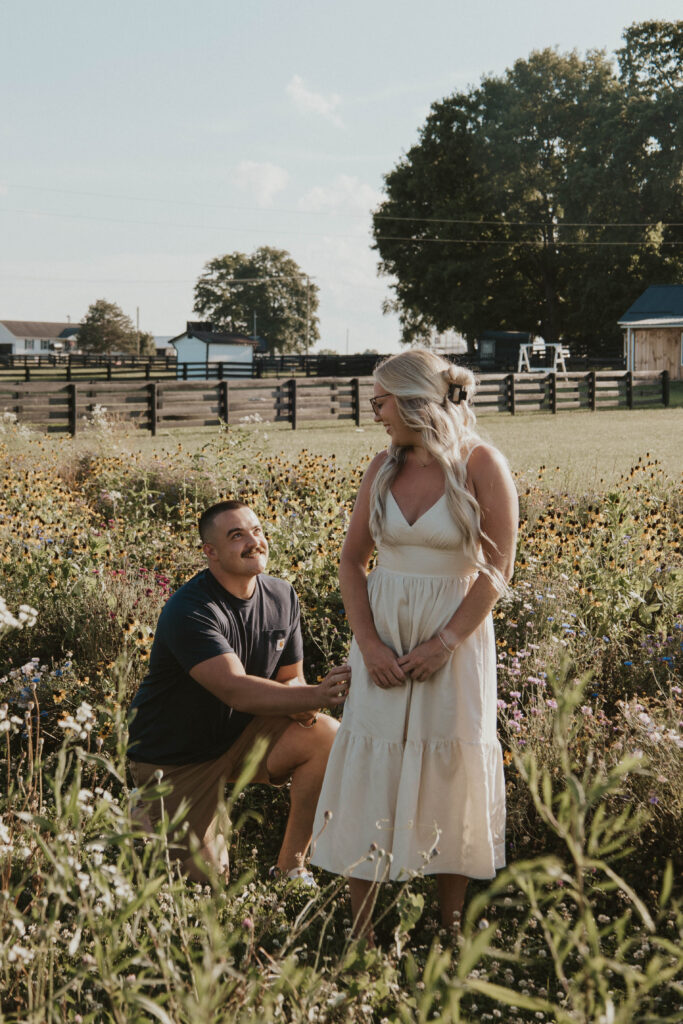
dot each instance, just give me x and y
(200, 343)
(35, 337)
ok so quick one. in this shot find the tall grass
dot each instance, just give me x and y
(95, 923)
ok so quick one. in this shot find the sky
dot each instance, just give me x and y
(140, 139)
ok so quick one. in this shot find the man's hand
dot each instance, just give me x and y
(334, 688)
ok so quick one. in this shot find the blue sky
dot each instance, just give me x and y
(141, 138)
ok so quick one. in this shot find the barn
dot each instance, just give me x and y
(653, 331)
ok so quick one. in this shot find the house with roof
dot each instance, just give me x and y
(35, 337)
(653, 331)
(201, 343)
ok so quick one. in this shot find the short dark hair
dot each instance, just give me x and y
(208, 516)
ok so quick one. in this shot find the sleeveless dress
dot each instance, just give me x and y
(414, 782)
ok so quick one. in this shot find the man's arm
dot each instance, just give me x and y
(291, 675)
(225, 678)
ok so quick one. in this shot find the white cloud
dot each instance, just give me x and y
(346, 194)
(313, 102)
(262, 180)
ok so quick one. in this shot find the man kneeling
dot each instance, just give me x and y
(225, 669)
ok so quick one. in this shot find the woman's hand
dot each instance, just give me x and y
(383, 666)
(425, 659)
(334, 688)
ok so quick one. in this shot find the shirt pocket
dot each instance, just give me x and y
(274, 642)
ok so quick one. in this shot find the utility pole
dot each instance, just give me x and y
(308, 312)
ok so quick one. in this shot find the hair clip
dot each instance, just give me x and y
(462, 393)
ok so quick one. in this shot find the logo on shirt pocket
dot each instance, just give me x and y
(280, 645)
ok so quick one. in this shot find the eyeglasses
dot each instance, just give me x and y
(373, 402)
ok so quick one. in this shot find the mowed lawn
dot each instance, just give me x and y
(569, 451)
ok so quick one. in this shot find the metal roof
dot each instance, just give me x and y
(659, 301)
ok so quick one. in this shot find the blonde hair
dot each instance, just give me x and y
(432, 397)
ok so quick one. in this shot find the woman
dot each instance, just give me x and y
(415, 780)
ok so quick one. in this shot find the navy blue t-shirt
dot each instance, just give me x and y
(175, 720)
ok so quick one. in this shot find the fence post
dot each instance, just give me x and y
(73, 408)
(291, 385)
(68, 367)
(666, 388)
(184, 371)
(109, 369)
(552, 391)
(592, 390)
(510, 392)
(224, 402)
(355, 392)
(27, 371)
(153, 403)
(629, 389)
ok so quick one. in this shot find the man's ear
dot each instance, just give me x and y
(208, 549)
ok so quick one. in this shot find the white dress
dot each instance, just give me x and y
(414, 780)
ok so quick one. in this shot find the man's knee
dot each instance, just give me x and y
(301, 745)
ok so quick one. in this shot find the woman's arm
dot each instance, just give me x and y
(492, 485)
(380, 661)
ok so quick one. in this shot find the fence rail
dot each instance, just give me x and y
(88, 367)
(168, 404)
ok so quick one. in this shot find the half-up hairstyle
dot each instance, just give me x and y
(433, 398)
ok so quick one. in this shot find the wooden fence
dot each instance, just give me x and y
(90, 367)
(156, 404)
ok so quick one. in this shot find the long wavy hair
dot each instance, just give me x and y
(433, 398)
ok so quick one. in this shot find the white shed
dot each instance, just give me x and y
(201, 343)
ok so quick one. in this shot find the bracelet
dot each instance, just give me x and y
(309, 725)
(444, 644)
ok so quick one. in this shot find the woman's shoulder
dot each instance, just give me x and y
(481, 452)
(485, 462)
(376, 463)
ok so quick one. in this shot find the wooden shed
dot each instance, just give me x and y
(653, 331)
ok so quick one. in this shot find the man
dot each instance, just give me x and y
(225, 669)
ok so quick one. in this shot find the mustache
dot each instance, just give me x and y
(260, 550)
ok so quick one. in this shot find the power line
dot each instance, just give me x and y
(501, 222)
(321, 234)
(511, 242)
(535, 223)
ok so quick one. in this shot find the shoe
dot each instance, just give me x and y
(300, 874)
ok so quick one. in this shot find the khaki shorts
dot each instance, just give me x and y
(202, 786)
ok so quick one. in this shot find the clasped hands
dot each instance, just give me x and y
(387, 669)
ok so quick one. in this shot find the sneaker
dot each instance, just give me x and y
(300, 874)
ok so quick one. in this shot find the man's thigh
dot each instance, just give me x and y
(299, 744)
(202, 785)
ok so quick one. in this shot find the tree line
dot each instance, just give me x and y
(542, 200)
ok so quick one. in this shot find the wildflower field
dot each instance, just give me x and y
(585, 925)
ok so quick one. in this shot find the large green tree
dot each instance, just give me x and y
(543, 200)
(265, 293)
(106, 328)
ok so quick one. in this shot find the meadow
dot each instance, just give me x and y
(586, 923)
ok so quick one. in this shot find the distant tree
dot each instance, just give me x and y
(265, 293)
(543, 200)
(147, 344)
(106, 328)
